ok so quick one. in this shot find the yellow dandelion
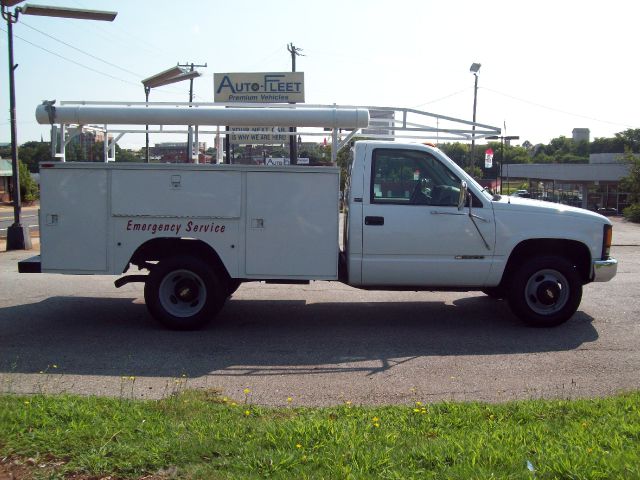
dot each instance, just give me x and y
(289, 399)
(348, 402)
(132, 378)
(27, 402)
(424, 410)
(584, 424)
(247, 413)
(234, 404)
(416, 410)
(376, 425)
(375, 419)
(298, 445)
(225, 399)
(418, 404)
(247, 391)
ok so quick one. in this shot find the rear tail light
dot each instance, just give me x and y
(606, 241)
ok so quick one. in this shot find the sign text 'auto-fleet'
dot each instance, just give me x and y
(273, 87)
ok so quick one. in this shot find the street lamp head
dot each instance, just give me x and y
(475, 67)
(63, 12)
(10, 3)
(158, 81)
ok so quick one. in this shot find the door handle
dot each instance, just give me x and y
(374, 220)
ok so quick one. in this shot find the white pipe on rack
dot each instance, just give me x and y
(253, 117)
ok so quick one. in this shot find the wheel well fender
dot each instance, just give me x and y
(158, 249)
(576, 252)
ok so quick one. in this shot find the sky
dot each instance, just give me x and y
(547, 66)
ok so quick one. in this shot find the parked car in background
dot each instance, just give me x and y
(607, 211)
(521, 193)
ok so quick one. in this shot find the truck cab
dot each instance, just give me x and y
(416, 220)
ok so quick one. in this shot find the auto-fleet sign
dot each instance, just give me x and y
(278, 87)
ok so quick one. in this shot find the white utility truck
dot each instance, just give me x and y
(413, 220)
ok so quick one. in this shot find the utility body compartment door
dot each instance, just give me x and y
(73, 220)
(292, 224)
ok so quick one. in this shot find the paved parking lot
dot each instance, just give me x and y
(320, 344)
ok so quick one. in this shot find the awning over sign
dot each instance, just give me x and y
(5, 168)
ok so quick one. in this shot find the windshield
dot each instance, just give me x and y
(470, 181)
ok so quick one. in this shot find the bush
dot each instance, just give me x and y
(632, 213)
(28, 188)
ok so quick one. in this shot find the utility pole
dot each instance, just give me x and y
(293, 145)
(475, 68)
(191, 67)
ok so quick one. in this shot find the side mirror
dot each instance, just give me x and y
(463, 195)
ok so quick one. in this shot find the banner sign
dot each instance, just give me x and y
(488, 158)
(274, 87)
(259, 135)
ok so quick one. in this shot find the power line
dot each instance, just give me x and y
(137, 85)
(444, 98)
(81, 51)
(73, 61)
(553, 109)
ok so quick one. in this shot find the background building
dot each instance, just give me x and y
(83, 144)
(593, 185)
(5, 179)
(176, 152)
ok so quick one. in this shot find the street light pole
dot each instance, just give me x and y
(167, 77)
(502, 139)
(146, 145)
(475, 68)
(18, 236)
(293, 146)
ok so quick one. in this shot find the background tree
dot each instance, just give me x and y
(28, 187)
(458, 152)
(32, 153)
(631, 184)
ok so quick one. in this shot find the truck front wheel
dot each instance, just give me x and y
(184, 293)
(545, 291)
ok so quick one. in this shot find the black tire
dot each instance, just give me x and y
(233, 285)
(496, 293)
(184, 293)
(545, 291)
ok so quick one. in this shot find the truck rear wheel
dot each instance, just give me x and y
(545, 291)
(497, 293)
(184, 293)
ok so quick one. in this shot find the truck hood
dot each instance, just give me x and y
(528, 205)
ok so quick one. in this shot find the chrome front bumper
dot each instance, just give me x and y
(604, 270)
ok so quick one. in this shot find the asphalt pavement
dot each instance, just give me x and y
(321, 344)
(29, 219)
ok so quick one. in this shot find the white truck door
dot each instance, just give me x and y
(413, 232)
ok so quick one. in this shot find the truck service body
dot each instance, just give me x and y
(413, 220)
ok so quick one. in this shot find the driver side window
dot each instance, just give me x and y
(411, 177)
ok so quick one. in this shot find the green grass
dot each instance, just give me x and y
(198, 435)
